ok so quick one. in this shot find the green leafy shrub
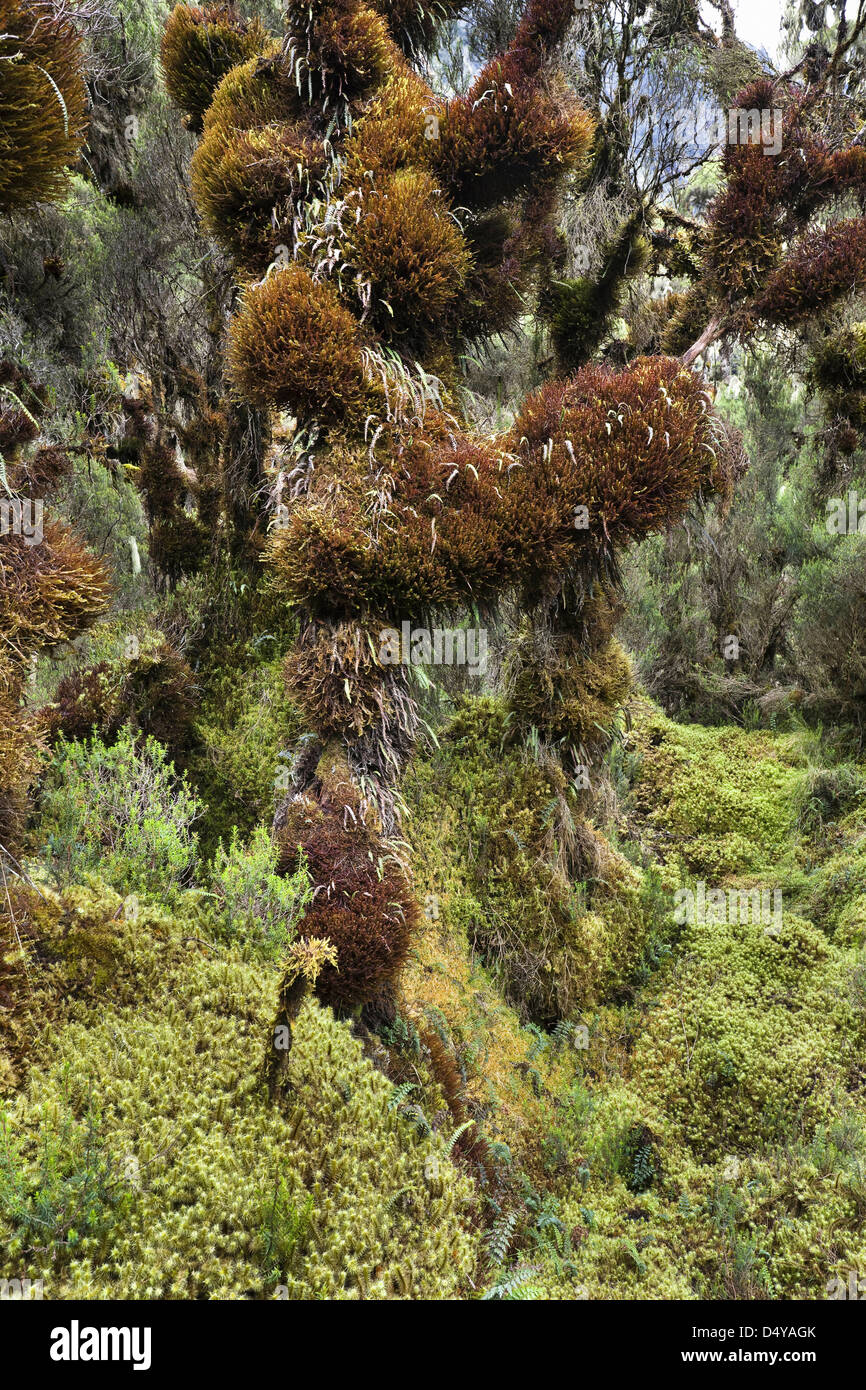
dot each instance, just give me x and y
(832, 602)
(124, 810)
(257, 904)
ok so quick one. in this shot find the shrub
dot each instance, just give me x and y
(832, 602)
(121, 809)
(257, 904)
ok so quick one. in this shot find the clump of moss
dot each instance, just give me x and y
(151, 689)
(293, 344)
(224, 1195)
(247, 185)
(21, 748)
(572, 697)
(363, 902)
(719, 800)
(820, 268)
(581, 310)
(50, 591)
(340, 49)
(508, 133)
(43, 102)
(839, 371)
(245, 724)
(554, 912)
(415, 27)
(411, 252)
(85, 702)
(199, 46)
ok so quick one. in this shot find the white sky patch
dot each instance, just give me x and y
(758, 22)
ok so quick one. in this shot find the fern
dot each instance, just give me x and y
(539, 1042)
(513, 1284)
(400, 1093)
(461, 1129)
(500, 1237)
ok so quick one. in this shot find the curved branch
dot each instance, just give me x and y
(709, 335)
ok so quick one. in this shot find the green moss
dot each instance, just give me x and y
(718, 800)
(582, 309)
(569, 696)
(246, 721)
(723, 1151)
(510, 868)
(225, 1195)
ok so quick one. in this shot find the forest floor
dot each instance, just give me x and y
(694, 1126)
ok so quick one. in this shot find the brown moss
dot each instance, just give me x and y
(255, 93)
(42, 102)
(50, 592)
(340, 48)
(415, 24)
(411, 252)
(466, 517)
(199, 46)
(821, 268)
(292, 344)
(362, 904)
(335, 674)
(390, 135)
(247, 184)
(21, 746)
(508, 133)
(160, 696)
(85, 703)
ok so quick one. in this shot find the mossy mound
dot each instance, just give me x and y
(142, 1159)
(721, 1137)
(510, 868)
(717, 801)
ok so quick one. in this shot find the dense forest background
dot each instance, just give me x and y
(327, 972)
